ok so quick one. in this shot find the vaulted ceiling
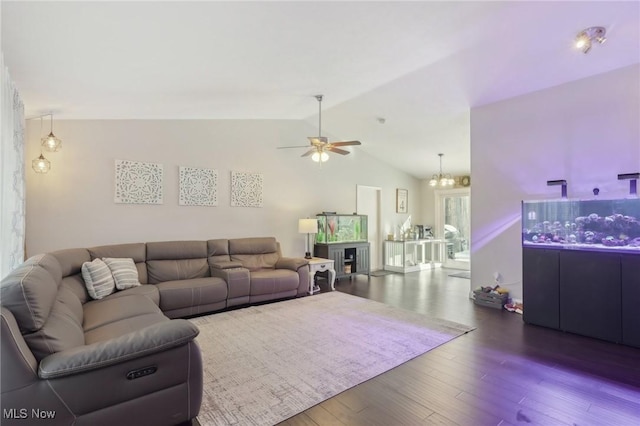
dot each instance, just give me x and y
(419, 65)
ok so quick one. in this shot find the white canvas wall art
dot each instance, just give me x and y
(138, 183)
(246, 189)
(198, 187)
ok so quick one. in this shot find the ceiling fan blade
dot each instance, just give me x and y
(317, 139)
(308, 153)
(337, 150)
(346, 143)
(297, 146)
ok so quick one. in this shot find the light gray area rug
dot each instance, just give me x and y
(264, 364)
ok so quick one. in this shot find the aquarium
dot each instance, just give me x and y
(341, 228)
(598, 225)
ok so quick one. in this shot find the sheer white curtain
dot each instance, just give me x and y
(12, 174)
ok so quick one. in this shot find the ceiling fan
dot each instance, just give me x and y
(320, 146)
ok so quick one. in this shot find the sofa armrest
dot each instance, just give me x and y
(155, 338)
(227, 264)
(293, 263)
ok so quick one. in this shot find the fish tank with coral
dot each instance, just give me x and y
(597, 225)
(341, 228)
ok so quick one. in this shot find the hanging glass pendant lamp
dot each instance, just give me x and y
(51, 143)
(40, 164)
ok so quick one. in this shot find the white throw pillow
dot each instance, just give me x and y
(124, 272)
(98, 279)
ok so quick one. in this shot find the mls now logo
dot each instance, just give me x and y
(23, 413)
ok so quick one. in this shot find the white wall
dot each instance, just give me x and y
(586, 132)
(72, 205)
(427, 204)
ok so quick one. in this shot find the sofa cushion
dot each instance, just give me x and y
(61, 330)
(267, 281)
(218, 250)
(194, 292)
(124, 272)
(98, 279)
(100, 312)
(255, 253)
(71, 301)
(135, 251)
(71, 260)
(176, 260)
(30, 290)
(122, 327)
(254, 262)
(148, 290)
(259, 245)
(179, 269)
(75, 283)
(170, 250)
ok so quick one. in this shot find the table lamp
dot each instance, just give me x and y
(308, 226)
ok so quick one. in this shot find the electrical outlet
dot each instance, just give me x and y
(497, 276)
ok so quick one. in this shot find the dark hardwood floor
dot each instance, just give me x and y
(503, 373)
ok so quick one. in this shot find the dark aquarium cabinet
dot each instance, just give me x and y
(343, 239)
(581, 267)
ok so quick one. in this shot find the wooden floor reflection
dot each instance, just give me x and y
(503, 373)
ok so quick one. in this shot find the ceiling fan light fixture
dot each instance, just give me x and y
(320, 147)
(320, 157)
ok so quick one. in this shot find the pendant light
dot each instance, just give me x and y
(51, 143)
(40, 164)
(441, 179)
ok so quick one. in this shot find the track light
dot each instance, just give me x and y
(585, 38)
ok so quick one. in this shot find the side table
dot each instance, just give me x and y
(319, 264)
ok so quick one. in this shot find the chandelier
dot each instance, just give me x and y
(441, 179)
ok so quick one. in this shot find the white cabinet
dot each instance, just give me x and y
(413, 255)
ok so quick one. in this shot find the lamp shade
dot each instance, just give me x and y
(308, 226)
(41, 164)
(51, 143)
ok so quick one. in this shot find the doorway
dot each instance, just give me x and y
(368, 203)
(453, 225)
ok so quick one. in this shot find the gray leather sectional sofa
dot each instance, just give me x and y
(127, 358)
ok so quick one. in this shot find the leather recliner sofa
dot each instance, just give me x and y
(127, 358)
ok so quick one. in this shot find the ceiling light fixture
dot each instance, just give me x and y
(40, 164)
(320, 145)
(585, 38)
(51, 143)
(320, 156)
(441, 179)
